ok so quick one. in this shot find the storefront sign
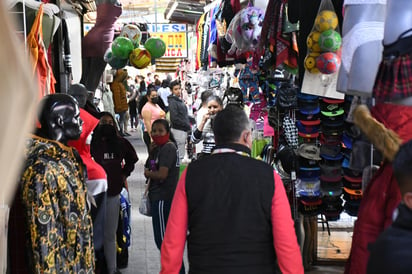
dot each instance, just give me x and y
(166, 27)
(174, 36)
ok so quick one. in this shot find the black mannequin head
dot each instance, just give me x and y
(80, 93)
(60, 118)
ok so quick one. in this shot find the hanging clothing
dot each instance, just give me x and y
(96, 176)
(100, 37)
(199, 36)
(38, 53)
(56, 211)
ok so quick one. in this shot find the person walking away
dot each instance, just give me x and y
(132, 102)
(204, 130)
(179, 117)
(120, 98)
(111, 150)
(164, 92)
(232, 209)
(151, 111)
(162, 168)
(391, 253)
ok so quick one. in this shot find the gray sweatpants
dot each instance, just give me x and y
(110, 228)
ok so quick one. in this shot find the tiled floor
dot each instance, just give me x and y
(144, 257)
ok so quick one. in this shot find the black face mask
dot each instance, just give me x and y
(155, 100)
(108, 131)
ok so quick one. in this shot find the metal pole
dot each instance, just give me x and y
(155, 8)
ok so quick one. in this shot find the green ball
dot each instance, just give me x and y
(122, 47)
(155, 46)
(117, 63)
(330, 41)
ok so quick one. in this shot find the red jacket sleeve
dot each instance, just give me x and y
(284, 236)
(176, 230)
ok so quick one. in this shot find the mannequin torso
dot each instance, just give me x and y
(362, 34)
(398, 20)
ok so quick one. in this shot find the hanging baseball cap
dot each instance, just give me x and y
(347, 140)
(308, 117)
(332, 130)
(331, 189)
(327, 104)
(306, 173)
(308, 188)
(309, 151)
(332, 207)
(330, 173)
(333, 118)
(331, 151)
(308, 163)
(352, 194)
(307, 131)
(354, 183)
(352, 172)
(330, 139)
(310, 208)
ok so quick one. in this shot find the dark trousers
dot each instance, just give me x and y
(146, 139)
(160, 214)
(98, 218)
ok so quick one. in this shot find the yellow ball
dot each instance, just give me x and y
(310, 62)
(313, 41)
(326, 20)
(140, 58)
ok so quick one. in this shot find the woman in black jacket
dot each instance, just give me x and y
(109, 149)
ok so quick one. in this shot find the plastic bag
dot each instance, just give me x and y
(144, 206)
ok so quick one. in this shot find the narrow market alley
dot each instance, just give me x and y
(144, 258)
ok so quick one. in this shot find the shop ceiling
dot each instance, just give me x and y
(178, 11)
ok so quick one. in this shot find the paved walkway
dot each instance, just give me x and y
(144, 257)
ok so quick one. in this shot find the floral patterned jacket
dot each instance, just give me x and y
(57, 214)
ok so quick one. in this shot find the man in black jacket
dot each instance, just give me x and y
(392, 253)
(235, 209)
(179, 117)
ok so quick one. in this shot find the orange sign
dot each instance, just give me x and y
(176, 43)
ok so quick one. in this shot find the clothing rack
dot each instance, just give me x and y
(22, 31)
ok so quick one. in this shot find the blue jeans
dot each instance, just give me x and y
(160, 213)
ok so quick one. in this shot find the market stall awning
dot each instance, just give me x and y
(185, 11)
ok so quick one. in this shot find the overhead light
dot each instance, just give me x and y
(172, 9)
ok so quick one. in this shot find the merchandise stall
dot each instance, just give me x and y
(298, 65)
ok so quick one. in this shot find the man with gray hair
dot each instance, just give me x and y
(234, 209)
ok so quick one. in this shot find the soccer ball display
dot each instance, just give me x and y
(310, 62)
(140, 58)
(133, 33)
(155, 46)
(122, 47)
(328, 62)
(325, 20)
(313, 41)
(330, 40)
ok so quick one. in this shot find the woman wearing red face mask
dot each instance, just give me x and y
(162, 168)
